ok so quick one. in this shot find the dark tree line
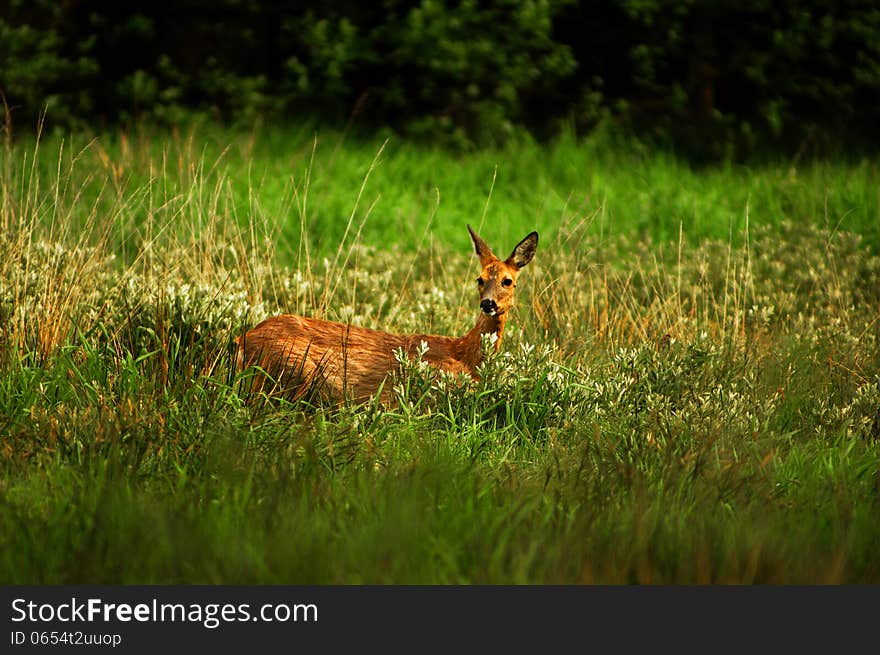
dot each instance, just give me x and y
(782, 71)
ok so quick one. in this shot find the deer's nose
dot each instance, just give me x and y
(488, 306)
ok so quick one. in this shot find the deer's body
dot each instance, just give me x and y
(307, 355)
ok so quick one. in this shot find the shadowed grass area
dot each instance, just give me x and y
(689, 390)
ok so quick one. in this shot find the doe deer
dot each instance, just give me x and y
(304, 355)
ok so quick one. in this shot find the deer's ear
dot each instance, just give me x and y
(483, 251)
(524, 251)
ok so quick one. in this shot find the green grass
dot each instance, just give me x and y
(688, 391)
(413, 194)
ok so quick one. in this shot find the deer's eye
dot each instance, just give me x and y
(481, 281)
(506, 282)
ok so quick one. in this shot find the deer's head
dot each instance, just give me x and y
(497, 280)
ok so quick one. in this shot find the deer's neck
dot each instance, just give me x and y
(472, 353)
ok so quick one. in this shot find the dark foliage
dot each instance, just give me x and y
(717, 75)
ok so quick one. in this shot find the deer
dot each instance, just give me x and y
(302, 356)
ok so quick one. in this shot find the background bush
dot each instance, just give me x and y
(720, 74)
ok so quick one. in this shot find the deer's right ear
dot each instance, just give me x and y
(524, 251)
(483, 251)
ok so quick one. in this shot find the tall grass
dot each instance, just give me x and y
(688, 391)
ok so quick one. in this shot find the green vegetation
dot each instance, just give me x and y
(714, 77)
(689, 390)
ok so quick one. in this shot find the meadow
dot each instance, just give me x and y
(688, 390)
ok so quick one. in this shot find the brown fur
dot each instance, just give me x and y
(308, 355)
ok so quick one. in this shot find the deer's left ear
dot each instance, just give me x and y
(524, 251)
(483, 251)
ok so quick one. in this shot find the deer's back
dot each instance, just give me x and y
(305, 355)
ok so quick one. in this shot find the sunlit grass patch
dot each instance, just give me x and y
(673, 401)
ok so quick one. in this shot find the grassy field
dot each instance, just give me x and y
(688, 392)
